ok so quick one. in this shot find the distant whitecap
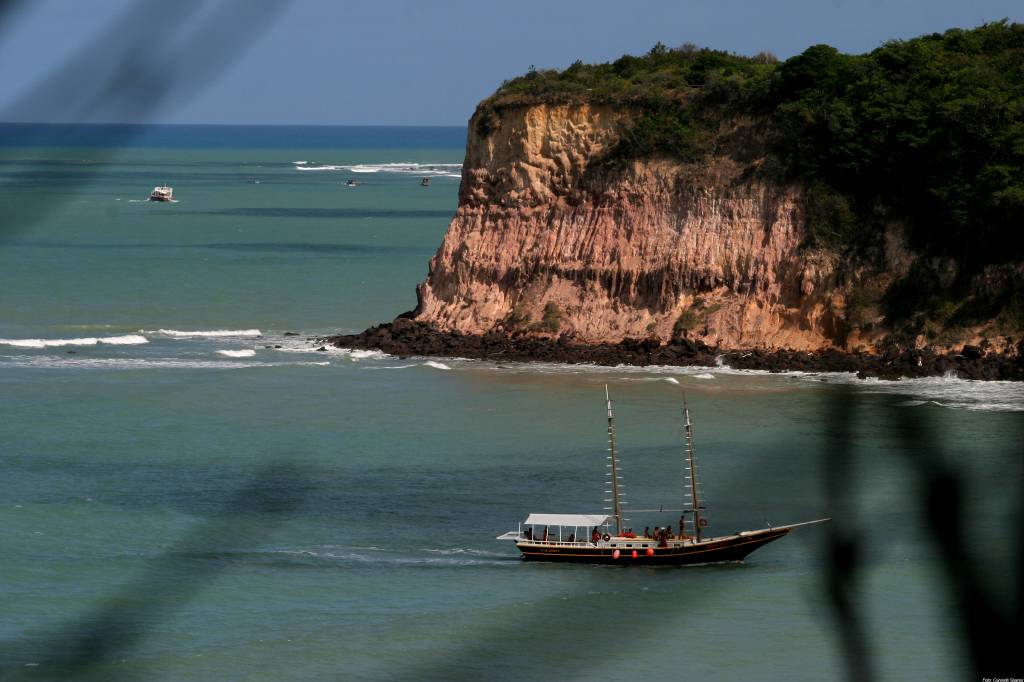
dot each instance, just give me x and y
(244, 353)
(177, 333)
(126, 340)
(448, 170)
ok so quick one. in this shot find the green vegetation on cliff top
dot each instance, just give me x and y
(928, 132)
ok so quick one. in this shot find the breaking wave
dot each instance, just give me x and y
(949, 391)
(447, 170)
(176, 333)
(126, 340)
(65, 362)
(945, 391)
(245, 353)
(357, 354)
(429, 363)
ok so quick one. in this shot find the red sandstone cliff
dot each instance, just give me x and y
(547, 241)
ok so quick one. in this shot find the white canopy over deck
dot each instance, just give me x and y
(560, 521)
(577, 520)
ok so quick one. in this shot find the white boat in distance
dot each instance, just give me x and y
(162, 193)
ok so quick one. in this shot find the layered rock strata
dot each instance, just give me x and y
(551, 239)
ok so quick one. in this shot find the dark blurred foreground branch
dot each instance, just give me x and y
(992, 624)
(136, 67)
(842, 571)
(97, 639)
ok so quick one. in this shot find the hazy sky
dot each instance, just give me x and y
(405, 63)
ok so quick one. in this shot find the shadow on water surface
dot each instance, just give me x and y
(95, 641)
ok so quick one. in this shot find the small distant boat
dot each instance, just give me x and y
(425, 182)
(601, 538)
(162, 193)
(351, 183)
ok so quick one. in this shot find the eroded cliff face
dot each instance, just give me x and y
(549, 240)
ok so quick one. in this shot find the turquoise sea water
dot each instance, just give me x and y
(180, 501)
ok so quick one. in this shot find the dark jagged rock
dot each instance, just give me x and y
(971, 352)
(405, 337)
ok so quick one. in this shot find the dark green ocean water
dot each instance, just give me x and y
(179, 501)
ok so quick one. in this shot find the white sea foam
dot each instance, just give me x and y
(320, 168)
(288, 346)
(429, 363)
(350, 353)
(126, 340)
(176, 333)
(244, 353)
(946, 391)
(448, 170)
(71, 362)
(358, 354)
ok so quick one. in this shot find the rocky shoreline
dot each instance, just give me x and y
(404, 338)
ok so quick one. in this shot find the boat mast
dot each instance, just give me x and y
(614, 473)
(690, 474)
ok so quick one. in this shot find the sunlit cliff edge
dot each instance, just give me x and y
(543, 243)
(701, 195)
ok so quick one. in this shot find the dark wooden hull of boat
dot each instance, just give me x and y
(729, 549)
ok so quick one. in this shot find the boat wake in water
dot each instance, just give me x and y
(360, 557)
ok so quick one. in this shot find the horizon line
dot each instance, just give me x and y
(265, 125)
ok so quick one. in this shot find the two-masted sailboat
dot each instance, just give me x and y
(601, 538)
